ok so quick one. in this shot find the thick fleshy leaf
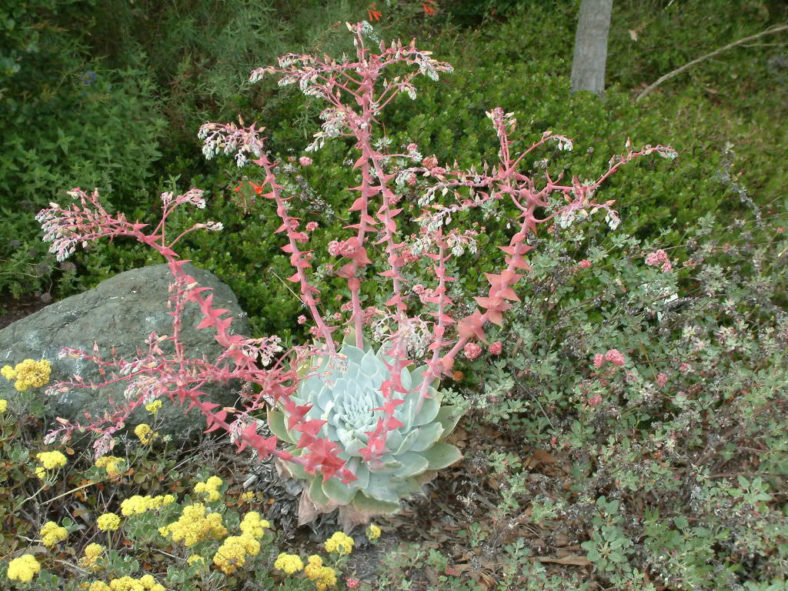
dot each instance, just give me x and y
(428, 434)
(338, 492)
(442, 455)
(381, 489)
(429, 410)
(372, 506)
(316, 491)
(448, 416)
(276, 422)
(411, 464)
(407, 442)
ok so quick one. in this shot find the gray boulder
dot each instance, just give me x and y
(120, 312)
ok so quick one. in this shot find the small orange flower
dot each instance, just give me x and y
(429, 7)
(373, 12)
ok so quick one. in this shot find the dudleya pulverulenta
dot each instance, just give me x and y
(344, 390)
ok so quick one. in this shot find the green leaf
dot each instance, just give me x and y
(449, 416)
(338, 492)
(442, 455)
(276, 422)
(373, 506)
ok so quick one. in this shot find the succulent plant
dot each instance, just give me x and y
(343, 390)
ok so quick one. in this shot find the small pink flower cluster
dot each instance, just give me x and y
(472, 351)
(585, 264)
(659, 257)
(613, 356)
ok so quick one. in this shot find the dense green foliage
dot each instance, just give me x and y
(670, 468)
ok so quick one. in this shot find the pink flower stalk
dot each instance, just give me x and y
(659, 257)
(356, 92)
(496, 348)
(599, 360)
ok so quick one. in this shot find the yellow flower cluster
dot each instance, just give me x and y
(248, 496)
(137, 505)
(254, 526)
(340, 542)
(28, 374)
(373, 532)
(323, 576)
(144, 583)
(110, 464)
(3, 405)
(49, 460)
(23, 569)
(92, 552)
(108, 522)
(153, 407)
(289, 563)
(52, 533)
(231, 555)
(210, 488)
(145, 434)
(195, 526)
(195, 559)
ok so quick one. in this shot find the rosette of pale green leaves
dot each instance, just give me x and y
(343, 390)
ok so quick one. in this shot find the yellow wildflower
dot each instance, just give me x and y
(127, 583)
(195, 526)
(340, 542)
(253, 525)
(313, 567)
(99, 586)
(23, 569)
(3, 405)
(108, 522)
(195, 559)
(52, 533)
(92, 552)
(51, 459)
(248, 497)
(145, 434)
(28, 374)
(110, 464)
(153, 407)
(210, 488)
(289, 563)
(231, 555)
(137, 505)
(8, 372)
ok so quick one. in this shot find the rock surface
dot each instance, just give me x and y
(121, 312)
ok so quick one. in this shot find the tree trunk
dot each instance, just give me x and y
(588, 63)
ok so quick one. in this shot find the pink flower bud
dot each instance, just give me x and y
(305, 161)
(301, 319)
(472, 351)
(311, 226)
(662, 379)
(496, 348)
(599, 359)
(615, 357)
(585, 263)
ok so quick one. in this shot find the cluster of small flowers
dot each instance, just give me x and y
(137, 505)
(472, 350)
(194, 525)
(323, 576)
(209, 488)
(23, 569)
(657, 258)
(231, 555)
(343, 248)
(145, 434)
(3, 405)
(340, 542)
(613, 356)
(52, 533)
(92, 553)
(227, 138)
(153, 407)
(126, 583)
(28, 374)
(108, 522)
(49, 460)
(110, 464)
